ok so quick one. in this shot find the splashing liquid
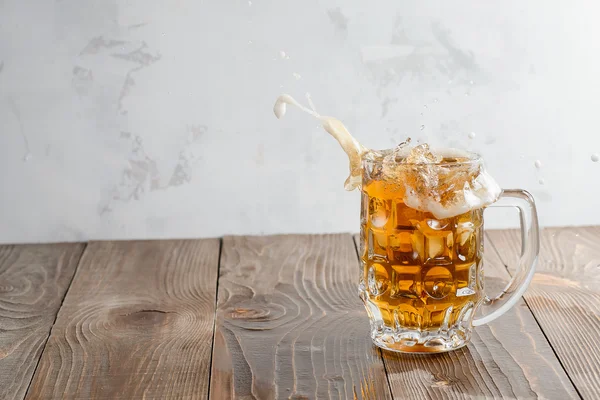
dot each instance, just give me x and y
(444, 182)
(353, 149)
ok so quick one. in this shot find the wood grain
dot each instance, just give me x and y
(136, 323)
(508, 358)
(33, 282)
(565, 297)
(290, 323)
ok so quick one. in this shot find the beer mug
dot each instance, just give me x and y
(421, 247)
(421, 239)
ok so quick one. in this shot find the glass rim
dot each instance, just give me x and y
(471, 158)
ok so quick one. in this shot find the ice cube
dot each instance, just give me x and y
(421, 154)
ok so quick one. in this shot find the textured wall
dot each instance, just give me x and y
(145, 118)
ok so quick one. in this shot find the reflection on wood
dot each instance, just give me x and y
(137, 322)
(290, 323)
(565, 297)
(33, 282)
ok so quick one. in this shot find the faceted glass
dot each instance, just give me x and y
(421, 277)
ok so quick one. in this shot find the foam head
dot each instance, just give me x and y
(446, 182)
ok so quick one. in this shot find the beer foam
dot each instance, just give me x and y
(445, 182)
(476, 193)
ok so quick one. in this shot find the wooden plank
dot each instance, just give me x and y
(290, 323)
(137, 323)
(565, 297)
(508, 358)
(33, 282)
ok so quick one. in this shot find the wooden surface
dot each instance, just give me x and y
(290, 323)
(138, 322)
(564, 296)
(33, 282)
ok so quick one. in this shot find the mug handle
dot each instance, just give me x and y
(530, 249)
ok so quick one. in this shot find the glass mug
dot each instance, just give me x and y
(421, 277)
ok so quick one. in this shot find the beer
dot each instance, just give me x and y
(421, 275)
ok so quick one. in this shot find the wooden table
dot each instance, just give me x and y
(277, 317)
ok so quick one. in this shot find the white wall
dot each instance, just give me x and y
(152, 119)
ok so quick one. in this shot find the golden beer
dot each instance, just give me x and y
(421, 275)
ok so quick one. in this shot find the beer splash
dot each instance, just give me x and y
(445, 182)
(353, 149)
